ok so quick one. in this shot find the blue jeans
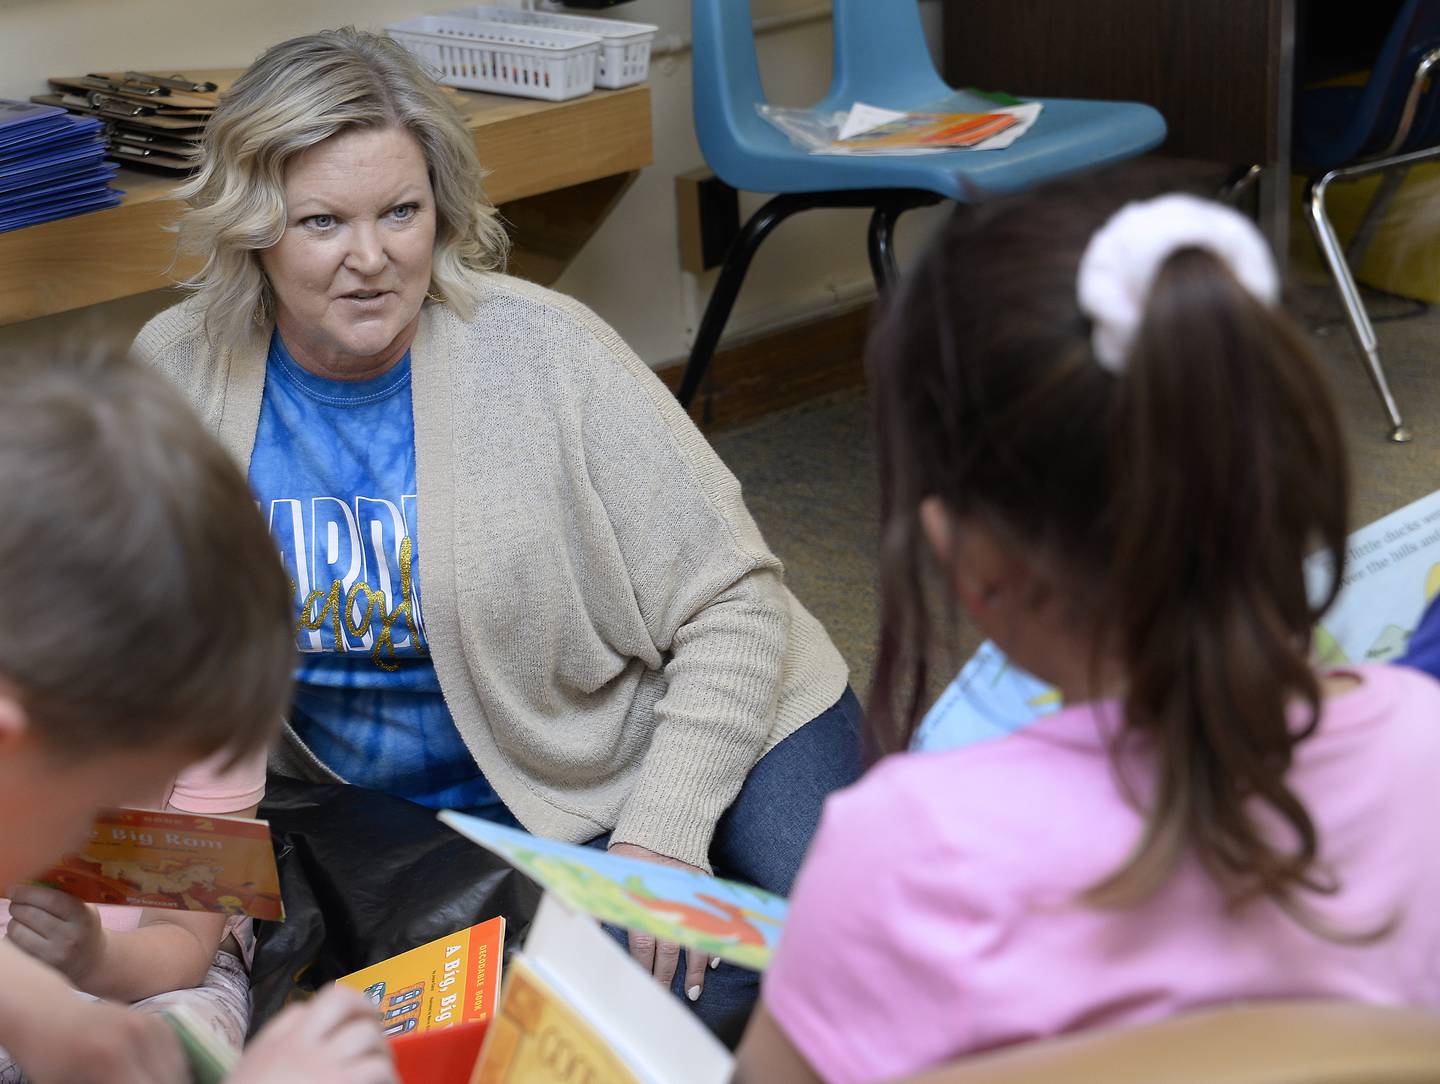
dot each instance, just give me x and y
(763, 836)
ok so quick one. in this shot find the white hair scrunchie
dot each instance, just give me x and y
(1123, 258)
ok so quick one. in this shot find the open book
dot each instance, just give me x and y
(736, 922)
(1392, 572)
(577, 1008)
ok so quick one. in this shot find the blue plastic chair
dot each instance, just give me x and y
(880, 58)
(1386, 126)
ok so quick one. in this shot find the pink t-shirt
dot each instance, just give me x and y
(936, 912)
(201, 788)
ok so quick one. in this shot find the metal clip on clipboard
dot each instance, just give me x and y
(108, 104)
(101, 82)
(104, 106)
(171, 82)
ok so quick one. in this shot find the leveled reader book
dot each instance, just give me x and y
(53, 209)
(20, 120)
(175, 861)
(577, 1008)
(736, 922)
(1392, 572)
(35, 143)
(452, 980)
(15, 202)
(89, 159)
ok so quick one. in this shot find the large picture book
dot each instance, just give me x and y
(1392, 572)
(736, 922)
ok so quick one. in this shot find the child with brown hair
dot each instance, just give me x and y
(1100, 430)
(149, 631)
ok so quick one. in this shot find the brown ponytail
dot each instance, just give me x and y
(1178, 499)
(1229, 465)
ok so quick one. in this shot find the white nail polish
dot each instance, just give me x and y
(693, 993)
(714, 962)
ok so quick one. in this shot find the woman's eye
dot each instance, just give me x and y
(319, 222)
(404, 211)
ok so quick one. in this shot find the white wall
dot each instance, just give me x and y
(629, 272)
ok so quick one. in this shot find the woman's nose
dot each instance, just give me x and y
(367, 252)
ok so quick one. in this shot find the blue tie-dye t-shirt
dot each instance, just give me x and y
(334, 471)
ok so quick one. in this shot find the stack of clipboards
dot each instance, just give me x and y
(52, 165)
(154, 121)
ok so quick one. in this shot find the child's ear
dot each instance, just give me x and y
(939, 528)
(982, 568)
(14, 721)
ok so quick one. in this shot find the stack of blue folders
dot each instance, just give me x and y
(52, 165)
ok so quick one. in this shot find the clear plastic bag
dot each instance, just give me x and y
(807, 129)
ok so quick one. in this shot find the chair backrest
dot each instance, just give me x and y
(1415, 32)
(726, 79)
(881, 56)
(1293, 1042)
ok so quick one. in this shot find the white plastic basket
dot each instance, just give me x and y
(525, 61)
(624, 49)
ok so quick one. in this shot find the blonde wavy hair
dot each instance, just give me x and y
(300, 93)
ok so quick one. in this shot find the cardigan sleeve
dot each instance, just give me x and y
(711, 595)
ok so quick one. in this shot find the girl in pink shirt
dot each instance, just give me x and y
(1099, 431)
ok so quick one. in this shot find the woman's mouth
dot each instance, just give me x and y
(366, 297)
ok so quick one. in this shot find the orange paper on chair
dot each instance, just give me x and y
(175, 861)
(452, 980)
(932, 130)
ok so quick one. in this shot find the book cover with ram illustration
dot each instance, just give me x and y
(175, 861)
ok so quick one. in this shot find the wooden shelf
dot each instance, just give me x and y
(527, 148)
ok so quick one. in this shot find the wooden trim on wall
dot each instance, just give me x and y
(778, 369)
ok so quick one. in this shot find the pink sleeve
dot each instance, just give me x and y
(206, 788)
(868, 982)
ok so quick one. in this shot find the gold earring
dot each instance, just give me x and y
(434, 297)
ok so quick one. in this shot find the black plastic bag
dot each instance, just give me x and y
(365, 876)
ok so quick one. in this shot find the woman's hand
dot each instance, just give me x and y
(334, 1039)
(57, 929)
(658, 957)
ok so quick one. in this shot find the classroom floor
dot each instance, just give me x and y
(809, 472)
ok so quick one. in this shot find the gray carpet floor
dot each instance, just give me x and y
(809, 473)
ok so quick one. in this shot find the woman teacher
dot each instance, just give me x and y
(525, 586)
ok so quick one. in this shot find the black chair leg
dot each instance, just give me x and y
(882, 246)
(882, 235)
(888, 204)
(727, 287)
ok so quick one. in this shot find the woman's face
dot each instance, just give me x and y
(353, 266)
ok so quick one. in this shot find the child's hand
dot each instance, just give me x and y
(56, 929)
(98, 1043)
(334, 1039)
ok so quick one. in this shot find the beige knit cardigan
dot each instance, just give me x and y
(610, 631)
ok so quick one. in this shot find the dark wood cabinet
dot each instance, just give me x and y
(1220, 71)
